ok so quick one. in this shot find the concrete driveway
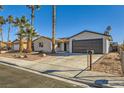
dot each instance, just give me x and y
(61, 64)
(64, 65)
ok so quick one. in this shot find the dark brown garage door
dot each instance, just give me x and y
(81, 46)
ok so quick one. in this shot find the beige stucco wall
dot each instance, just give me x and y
(87, 35)
(47, 45)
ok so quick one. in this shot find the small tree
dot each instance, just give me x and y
(21, 23)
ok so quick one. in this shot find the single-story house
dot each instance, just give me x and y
(78, 43)
(15, 45)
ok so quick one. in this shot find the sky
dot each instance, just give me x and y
(70, 20)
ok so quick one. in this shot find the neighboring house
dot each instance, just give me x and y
(3, 45)
(79, 43)
(15, 45)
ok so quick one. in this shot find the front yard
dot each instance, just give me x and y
(16, 78)
(110, 64)
(30, 57)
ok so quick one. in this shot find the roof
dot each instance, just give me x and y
(42, 37)
(89, 32)
(65, 39)
(17, 41)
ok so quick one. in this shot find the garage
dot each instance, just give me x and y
(81, 46)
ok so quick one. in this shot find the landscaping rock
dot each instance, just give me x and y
(21, 56)
(43, 55)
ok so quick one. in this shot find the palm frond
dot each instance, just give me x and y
(10, 19)
(2, 20)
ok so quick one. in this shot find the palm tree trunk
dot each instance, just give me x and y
(53, 27)
(1, 40)
(29, 45)
(32, 23)
(2, 36)
(20, 45)
(32, 16)
(8, 36)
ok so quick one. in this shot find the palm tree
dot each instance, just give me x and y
(53, 27)
(10, 21)
(33, 8)
(30, 33)
(20, 23)
(2, 22)
(21, 35)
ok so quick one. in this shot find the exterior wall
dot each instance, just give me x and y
(83, 36)
(106, 45)
(62, 47)
(15, 47)
(47, 45)
(67, 47)
(59, 49)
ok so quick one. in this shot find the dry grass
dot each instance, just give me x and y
(110, 64)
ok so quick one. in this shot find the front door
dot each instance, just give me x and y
(65, 47)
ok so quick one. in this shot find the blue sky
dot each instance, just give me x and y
(71, 20)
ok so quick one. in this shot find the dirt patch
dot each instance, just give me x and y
(30, 57)
(109, 64)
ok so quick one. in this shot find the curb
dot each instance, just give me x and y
(95, 85)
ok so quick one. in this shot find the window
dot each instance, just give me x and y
(41, 44)
(58, 45)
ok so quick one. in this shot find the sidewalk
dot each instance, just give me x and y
(100, 79)
(88, 77)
